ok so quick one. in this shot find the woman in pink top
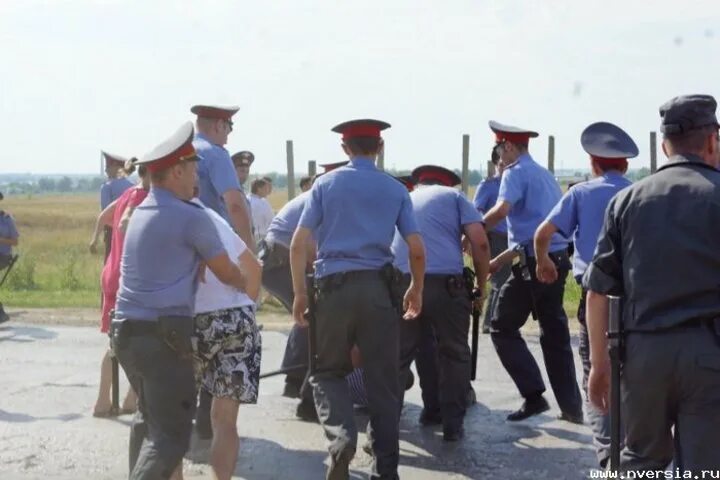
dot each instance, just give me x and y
(116, 216)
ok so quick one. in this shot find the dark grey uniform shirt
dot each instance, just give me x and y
(659, 247)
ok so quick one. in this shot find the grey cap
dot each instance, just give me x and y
(606, 140)
(687, 112)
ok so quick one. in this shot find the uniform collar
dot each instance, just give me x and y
(203, 137)
(684, 158)
(524, 158)
(162, 194)
(363, 162)
(612, 174)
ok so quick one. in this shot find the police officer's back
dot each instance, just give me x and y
(444, 216)
(579, 214)
(658, 249)
(353, 212)
(166, 239)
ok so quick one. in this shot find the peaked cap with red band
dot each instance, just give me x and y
(408, 181)
(111, 158)
(507, 133)
(435, 174)
(214, 111)
(172, 151)
(366, 127)
(329, 167)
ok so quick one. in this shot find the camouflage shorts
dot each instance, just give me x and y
(227, 348)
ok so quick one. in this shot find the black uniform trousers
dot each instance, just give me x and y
(517, 300)
(498, 244)
(165, 385)
(440, 348)
(357, 308)
(671, 378)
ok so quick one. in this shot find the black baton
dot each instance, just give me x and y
(615, 346)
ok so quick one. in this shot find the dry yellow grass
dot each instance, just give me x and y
(55, 267)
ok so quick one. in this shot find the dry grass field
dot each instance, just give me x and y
(55, 267)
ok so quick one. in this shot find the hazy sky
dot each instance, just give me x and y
(80, 76)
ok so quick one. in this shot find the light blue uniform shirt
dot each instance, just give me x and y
(216, 175)
(533, 192)
(486, 195)
(401, 253)
(7, 230)
(112, 189)
(165, 241)
(353, 212)
(285, 222)
(581, 213)
(441, 213)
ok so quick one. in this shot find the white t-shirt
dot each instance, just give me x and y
(262, 215)
(213, 294)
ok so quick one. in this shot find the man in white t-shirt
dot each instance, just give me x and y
(228, 347)
(262, 212)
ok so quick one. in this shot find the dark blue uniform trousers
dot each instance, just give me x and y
(518, 298)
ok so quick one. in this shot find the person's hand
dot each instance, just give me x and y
(412, 303)
(300, 304)
(495, 267)
(599, 386)
(479, 298)
(93, 246)
(546, 271)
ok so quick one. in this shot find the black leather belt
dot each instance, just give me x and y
(138, 327)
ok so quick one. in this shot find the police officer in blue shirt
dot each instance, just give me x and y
(528, 192)
(444, 215)
(167, 239)
(111, 190)
(579, 215)
(485, 198)
(352, 212)
(220, 189)
(8, 239)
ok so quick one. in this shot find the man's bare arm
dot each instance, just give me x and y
(496, 215)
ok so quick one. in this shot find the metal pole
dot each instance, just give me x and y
(290, 169)
(551, 154)
(490, 169)
(465, 162)
(653, 152)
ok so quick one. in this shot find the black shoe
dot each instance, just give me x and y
(530, 407)
(453, 434)
(409, 381)
(471, 398)
(576, 418)
(306, 411)
(291, 390)
(428, 418)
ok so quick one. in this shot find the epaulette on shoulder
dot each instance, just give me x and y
(192, 204)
